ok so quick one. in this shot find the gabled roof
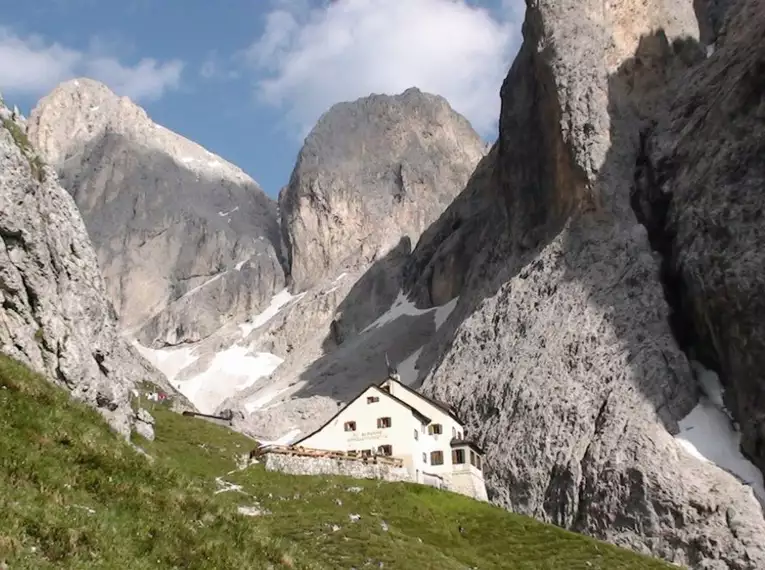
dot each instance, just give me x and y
(419, 415)
(440, 405)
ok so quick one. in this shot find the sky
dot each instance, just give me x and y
(247, 79)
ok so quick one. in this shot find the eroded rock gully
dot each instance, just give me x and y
(700, 183)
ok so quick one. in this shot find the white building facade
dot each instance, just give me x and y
(391, 419)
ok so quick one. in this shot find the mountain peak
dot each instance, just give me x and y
(80, 110)
(142, 187)
(371, 172)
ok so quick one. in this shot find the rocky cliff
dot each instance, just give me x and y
(185, 240)
(699, 191)
(54, 311)
(371, 172)
(594, 259)
(372, 175)
(578, 301)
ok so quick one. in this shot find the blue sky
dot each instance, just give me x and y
(248, 78)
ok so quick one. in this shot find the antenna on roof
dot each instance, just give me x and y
(392, 371)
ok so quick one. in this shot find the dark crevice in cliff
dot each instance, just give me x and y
(652, 207)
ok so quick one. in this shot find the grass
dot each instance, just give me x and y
(22, 141)
(74, 496)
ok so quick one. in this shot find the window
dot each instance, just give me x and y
(350, 426)
(416, 434)
(424, 457)
(436, 457)
(478, 462)
(385, 450)
(472, 458)
(458, 456)
(372, 399)
(386, 388)
(454, 432)
(383, 423)
(366, 453)
(435, 429)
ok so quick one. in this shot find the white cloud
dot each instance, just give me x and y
(309, 59)
(214, 68)
(30, 65)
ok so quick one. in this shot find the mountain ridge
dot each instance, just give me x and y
(562, 289)
(144, 191)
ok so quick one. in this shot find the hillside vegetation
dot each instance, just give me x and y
(73, 495)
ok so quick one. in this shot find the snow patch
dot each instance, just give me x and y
(708, 434)
(169, 361)
(407, 369)
(240, 265)
(222, 214)
(261, 401)
(231, 371)
(201, 286)
(277, 302)
(402, 306)
(94, 108)
(443, 312)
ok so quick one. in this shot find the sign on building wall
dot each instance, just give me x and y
(367, 435)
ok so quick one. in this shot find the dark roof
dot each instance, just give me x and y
(422, 417)
(447, 409)
(470, 443)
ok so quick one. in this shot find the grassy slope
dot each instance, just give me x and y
(74, 496)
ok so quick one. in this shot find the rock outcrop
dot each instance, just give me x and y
(699, 192)
(54, 312)
(562, 349)
(371, 172)
(186, 241)
(372, 175)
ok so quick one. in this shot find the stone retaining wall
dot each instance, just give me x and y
(301, 465)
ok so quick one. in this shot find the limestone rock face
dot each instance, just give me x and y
(562, 348)
(371, 172)
(185, 240)
(55, 314)
(700, 192)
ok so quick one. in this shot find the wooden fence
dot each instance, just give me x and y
(325, 454)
